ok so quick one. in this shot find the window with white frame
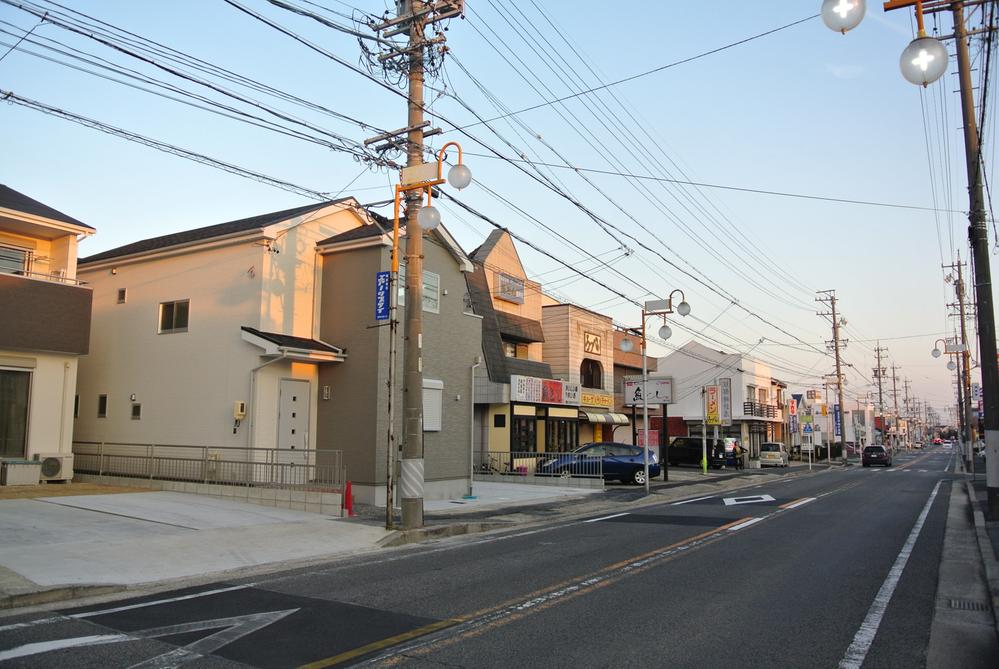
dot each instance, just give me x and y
(510, 288)
(431, 290)
(174, 316)
(433, 404)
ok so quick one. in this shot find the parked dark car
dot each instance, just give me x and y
(687, 451)
(875, 455)
(622, 462)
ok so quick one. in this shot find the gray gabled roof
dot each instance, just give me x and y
(11, 199)
(288, 341)
(208, 232)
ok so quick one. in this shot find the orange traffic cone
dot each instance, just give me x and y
(348, 500)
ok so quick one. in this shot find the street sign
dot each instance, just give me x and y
(726, 400)
(808, 428)
(660, 390)
(837, 420)
(382, 283)
(792, 407)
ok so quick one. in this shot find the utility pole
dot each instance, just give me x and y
(894, 392)
(908, 415)
(879, 374)
(968, 432)
(830, 298)
(412, 18)
(978, 235)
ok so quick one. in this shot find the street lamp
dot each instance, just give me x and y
(923, 61)
(421, 178)
(655, 308)
(843, 15)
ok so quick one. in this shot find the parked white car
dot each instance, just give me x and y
(773, 454)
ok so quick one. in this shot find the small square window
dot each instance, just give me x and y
(499, 420)
(102, 406)
(173, 316)
(136, 411)
(121, 295)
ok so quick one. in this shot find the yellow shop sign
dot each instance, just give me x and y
(602, 400)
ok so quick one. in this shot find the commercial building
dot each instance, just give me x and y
(46, 328)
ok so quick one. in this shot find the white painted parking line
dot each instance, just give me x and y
(862, 641)
(689, 501)
(745, 524)
(616, 515)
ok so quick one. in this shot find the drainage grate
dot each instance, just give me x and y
(968, 605)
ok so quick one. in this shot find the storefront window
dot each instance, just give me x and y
(561, 434)
(591, 374)
(523, 434)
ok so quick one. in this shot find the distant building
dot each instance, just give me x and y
(46, 328)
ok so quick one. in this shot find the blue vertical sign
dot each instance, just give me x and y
(838, 420)
(382, 283)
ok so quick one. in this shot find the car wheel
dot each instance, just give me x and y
(565, 473)
(638, 477)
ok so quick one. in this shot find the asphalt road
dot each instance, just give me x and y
(814, 570)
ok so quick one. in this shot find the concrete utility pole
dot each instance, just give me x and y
(879, 374)
(830, 298)
(894, 392)
(968, 432)
(908, 415)
(978, 235)
(412, 18)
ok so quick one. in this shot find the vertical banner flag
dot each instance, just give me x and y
(726, 400)
(838, 420)
(382, 281)
(712, 408)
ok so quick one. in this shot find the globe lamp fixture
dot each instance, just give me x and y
(843, 15)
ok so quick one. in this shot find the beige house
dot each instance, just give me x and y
(46, 329)
(257, 340)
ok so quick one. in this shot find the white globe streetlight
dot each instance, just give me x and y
(428, 217)
(935, 353)
(843, 15)
(665, 332)
(923, 61)
(683, 308)
(459, 176)
(951, 365)
(627, 345)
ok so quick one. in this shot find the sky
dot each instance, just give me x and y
(800, 110)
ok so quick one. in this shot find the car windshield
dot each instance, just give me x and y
(770, 447)
(873, 449)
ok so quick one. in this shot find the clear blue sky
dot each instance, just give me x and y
(803, 110)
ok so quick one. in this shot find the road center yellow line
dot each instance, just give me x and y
(382, 643)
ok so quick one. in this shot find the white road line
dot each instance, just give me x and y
(688, 501)
(745, 524)
(59, 644)
(862, 641)
(799, 503)
(616, 515)
(93, 614)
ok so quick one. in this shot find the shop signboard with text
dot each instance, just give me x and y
(712, 405)
(543, 391)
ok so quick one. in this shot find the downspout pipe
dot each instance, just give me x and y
(471, 430)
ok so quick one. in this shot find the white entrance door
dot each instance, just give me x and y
(293, 421)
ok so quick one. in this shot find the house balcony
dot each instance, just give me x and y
(45, 313)
(764, 411)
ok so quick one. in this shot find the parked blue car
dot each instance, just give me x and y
(622, 462)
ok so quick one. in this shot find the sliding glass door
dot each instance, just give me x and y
(14, 389)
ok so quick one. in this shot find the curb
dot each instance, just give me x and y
(987, 552)
(403, 537)
(58, 594)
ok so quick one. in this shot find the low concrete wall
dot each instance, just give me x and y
(554, 481)
(328, 503)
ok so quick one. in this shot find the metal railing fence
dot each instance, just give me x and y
(299, 469)
(529, 467)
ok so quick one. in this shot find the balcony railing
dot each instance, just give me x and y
(55, 277)
(760, 410)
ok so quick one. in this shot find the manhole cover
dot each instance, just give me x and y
(968, 605)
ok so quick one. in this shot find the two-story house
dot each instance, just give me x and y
(46, 328)
(258, 337)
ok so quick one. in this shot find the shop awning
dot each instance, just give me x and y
(609, 418)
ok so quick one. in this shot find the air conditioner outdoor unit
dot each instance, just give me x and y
(56, 466)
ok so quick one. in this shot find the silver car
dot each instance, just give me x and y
(773, 454)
